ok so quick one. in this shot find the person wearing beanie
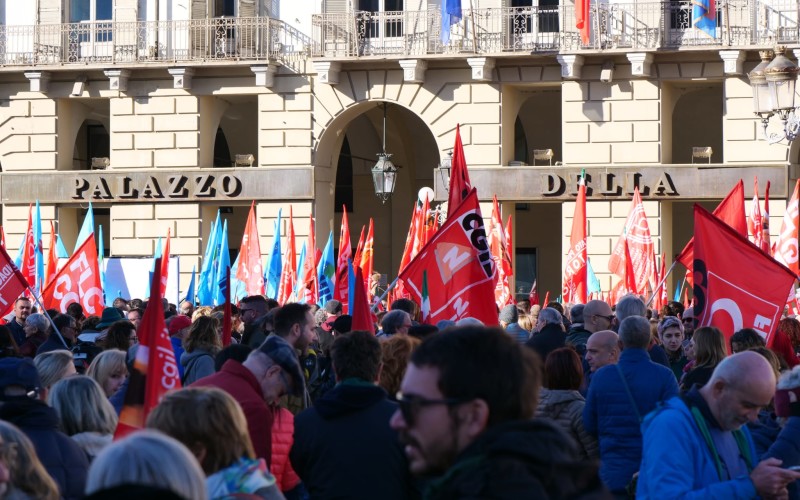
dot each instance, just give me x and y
(508, 318)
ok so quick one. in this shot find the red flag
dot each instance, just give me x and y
(498, 246)
(2, 237)
(408, 252)
(155, 371)
(765, 245)
(345, 252)
(28, 263)
(576, 278)
(786, 249)
(362, 317)
(582, 19)
(52, 259)
(77, 281)
(288, 273)
(366, 264)
(359, 249)
(637, 234)
(664, 296)
(227, 311)
(533, 296)
(730, 211)
(630, 272)
(12, 283)
(546, 298)
(309, 277)
(755, 222)
(725, 296)
(165, 265)
(250, 270)
(460, 184)
(462, 272)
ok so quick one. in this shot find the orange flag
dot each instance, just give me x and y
(165, 265)
(367, 259)
(345, 252)
(498, 246)
(77, 281)
(460, 184)
(155, 371)
(309, 278)
(52, 259)
(576, 277)
(630, 272)
(755, 222)
(786, 249)
(250, 270)
(288, 273)
(636, 234)
(359, 248)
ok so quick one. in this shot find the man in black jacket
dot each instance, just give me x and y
(549, 334)
(343, 446)
(466, 415)
(23, 405)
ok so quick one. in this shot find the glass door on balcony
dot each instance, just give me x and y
(90, 34)
(533, 24)
(380, 26)
(224, 37)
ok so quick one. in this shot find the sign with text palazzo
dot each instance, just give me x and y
(460, 270)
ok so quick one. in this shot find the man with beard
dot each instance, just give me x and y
(467, 403)
(295, 324)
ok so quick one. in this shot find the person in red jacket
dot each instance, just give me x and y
(268, 373)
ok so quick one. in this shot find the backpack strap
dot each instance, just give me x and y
(630, 395)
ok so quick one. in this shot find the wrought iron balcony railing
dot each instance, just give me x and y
(614, 25)
(107, 42)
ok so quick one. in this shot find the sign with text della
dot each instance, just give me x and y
(736, 285)
(461, 271)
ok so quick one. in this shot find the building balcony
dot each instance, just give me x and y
(106, 43)
(529, 30)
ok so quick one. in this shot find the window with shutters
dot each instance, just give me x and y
(384, 18)
(90, 10)
(91, 31)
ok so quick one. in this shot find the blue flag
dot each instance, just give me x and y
(451, 14)
(238, 287)
(594, 283)
(61, 251)
(351, 282)
(325, 272)
(87, 229)
(678, 291)
(223, 267)
(190, 292)
(272, 278)
(704, 16)
(205, 296)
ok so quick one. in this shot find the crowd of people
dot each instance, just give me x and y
(587, 401)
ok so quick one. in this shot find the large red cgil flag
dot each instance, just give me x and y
(576, 278)
(786, 249)
(460, 184)
(250, 270)
(461, 271)
(165, 265)
(155, 371)
(78, 281)
(726, 297)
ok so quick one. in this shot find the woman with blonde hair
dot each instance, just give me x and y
(201, 344)
(219, 440)
(709, 351)
(84, 413)
(27, 475)
(146, 463)
(53, 366)
(395, 353)
(109, 370)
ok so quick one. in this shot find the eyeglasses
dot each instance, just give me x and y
(610, 318)
(410, 405)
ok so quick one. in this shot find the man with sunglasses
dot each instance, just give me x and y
(343, 445)
(466, 412)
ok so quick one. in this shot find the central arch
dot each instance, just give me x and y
(359, 130)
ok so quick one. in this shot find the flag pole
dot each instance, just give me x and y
(380, 299)
(663, 279)
(47, 315)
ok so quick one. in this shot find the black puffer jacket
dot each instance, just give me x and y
(523, 459)
(64, 460)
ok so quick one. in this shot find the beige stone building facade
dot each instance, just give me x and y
(151, 116)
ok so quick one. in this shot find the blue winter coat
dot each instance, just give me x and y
(610, 416)
(677, 462)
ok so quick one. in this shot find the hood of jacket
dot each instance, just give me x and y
(559, 396)
(188, 357)
(30, 413)
(349, 396)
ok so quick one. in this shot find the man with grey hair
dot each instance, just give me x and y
(619, 397)
(394, 322)
(703, 437)
(633, 305)
(549, 334)
(36, 330)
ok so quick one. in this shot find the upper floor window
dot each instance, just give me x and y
(90, 10)
(224, 8)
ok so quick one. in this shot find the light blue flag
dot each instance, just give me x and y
(594, 283)
(678, 292)
(238, 287)
(100, 264)
(18, 259)
(205, 297)
(273, 271)
(325, 272)
(190, 292)
(223, 267)
(61, 250)
(299, 293)
(451, 14)
(87, 228)
(38, 251)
